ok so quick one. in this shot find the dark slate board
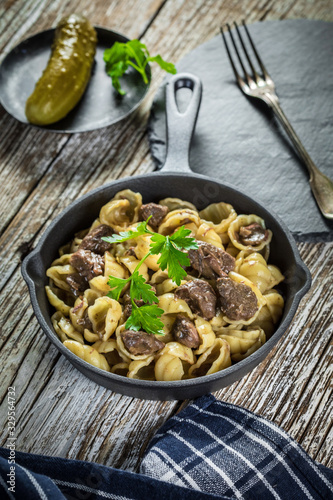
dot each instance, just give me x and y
(239, 141)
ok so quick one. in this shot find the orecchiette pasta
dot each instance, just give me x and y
(219, 216)
(220, 313)
(176, 218)
(88, 353)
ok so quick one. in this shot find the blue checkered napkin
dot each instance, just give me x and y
(223, 449)
(38, 477)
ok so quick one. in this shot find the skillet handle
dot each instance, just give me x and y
(180, 126)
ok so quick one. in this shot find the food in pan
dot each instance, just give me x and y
(67, 73)
(164, 291)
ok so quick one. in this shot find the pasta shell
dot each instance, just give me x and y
(176, 204)
(214, 359)
(131, 263)
(55, 301)
(167, 286)
(170, 305)
(207, 234)
(173, 220)
(206, 334)
(104, 315)
(142, 369)
(275, 304)
(141, 250)
(159, 277)
(87, 353)
(113, 268)
(240, 340)
(122, 210)
(219, 216)
(63, 260)
(58, 275)
(217, 322)
(122, 349)
(120, 369)
(178, 350)
(168, 321)
(100, 285)
(254, 267)
(90, 336)
(239, 356)
(78, 312)
(65, 329)
(242, 221)
(168, 368)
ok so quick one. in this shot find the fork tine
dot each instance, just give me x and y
(238, 77)
(261, 64)
(238, 54)
(254, 73)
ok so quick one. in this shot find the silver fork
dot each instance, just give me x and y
(262, 87)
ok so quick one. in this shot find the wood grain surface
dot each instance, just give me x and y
(58, 410)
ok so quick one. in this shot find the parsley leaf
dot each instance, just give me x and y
(142, 290)
(116, 285)
(140, 229)
(171, 257)
(146, 318)
(181, 239)
(132, 53)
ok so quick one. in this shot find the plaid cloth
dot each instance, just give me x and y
(224, 449)
(209, 450)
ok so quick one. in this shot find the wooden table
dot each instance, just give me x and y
(58, 410)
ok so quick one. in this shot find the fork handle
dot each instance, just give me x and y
(321, 185)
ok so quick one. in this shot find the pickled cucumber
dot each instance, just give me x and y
(67, 73)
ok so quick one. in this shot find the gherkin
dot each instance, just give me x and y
(67, 73)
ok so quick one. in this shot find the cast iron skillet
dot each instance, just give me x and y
(175, 180)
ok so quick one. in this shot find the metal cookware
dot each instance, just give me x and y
(176, 180)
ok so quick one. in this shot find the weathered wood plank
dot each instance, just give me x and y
(26, 17)
(41, 173)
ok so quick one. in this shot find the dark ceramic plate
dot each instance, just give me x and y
(100, 105)
(201, 191)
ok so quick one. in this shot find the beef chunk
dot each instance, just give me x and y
(210, 261)
(141, 342)
(88, 264)
(185, 333)
(200, 297)
(237, 300)
(253, 235)
(93, 240)
(77, 283)
(158, 212)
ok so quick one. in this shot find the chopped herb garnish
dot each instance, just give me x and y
(132, 53)
(146, 318)
(172, 258)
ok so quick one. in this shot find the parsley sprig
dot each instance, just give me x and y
(172, 258)
(132, 53)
